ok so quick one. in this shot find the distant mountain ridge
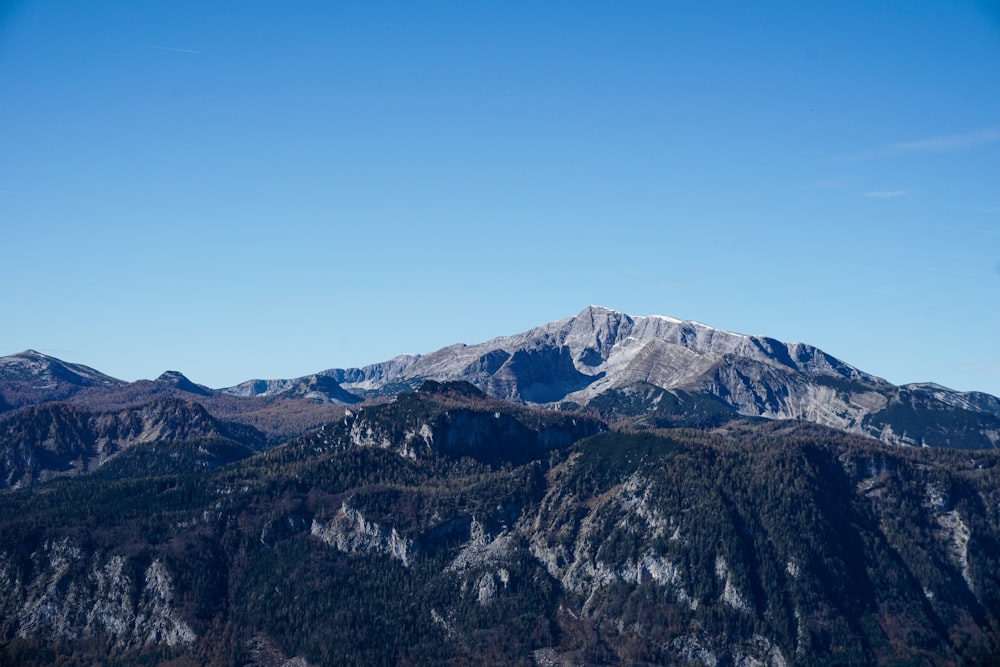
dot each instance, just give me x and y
(653, 371)
(30, 377)
(636, 361)
(58, 439)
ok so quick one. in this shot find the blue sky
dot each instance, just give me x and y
(262, 189)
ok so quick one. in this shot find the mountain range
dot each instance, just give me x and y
(603, 489)
(642, 365)
(652, 370)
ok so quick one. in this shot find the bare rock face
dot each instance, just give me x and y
(68, 592)
(349, 531)
(601, 352)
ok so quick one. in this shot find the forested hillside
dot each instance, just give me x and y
(447, 527)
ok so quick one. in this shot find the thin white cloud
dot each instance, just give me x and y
(169, 48)
(944, 144)
(885, 194)
(954, 142)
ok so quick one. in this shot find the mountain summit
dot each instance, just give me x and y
(657, 367)
(30, 377)
(580, 357)
(42, 371)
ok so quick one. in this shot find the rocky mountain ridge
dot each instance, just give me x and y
(602, 352)
(30, 377)
(52, 440)
(653, 371)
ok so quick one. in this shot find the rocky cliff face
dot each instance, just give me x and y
(66, 592)
(601, 351)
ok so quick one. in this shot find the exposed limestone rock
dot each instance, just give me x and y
(487, 589)
(484, 557)
(349, 532)
(481, 551)
(438, 619)
(700, 648)
(635, 499)
(957, 533)
(263, 652)
(364, 434)
(75, 594)
(154, 613)
(579, 358)
(570, 553)
(731, 595)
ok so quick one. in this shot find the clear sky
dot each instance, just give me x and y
(252, 189)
